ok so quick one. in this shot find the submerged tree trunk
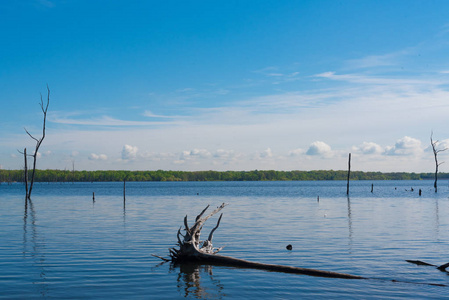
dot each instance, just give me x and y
(191, 249)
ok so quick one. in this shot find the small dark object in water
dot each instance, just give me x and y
(420, 192)
(289, 247)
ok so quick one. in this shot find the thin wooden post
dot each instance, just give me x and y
(93, 196)
(349, 173)
(372, 187)
(124, 191)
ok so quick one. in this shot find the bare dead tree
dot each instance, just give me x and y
(25, 172)
(38, 141)
(435, 154)
(192, 249)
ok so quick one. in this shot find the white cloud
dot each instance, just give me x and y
(150, 114)
(94, 156)
(195, 153)
(129, 152)
(224, 154)
(368, 148)
(444, 144)
(266, 153)
(325, 74)
(320, 149)
(373, 61)
(406, 146)
(296, 152)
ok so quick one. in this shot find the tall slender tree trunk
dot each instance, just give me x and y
(38, 141)
(434, 145)
(25, 175)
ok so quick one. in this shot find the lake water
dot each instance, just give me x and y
(63, 245)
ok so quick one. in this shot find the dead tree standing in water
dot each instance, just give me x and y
(39, 141)
(435, 154)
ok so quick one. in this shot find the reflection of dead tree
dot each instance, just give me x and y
(191, 249)
(190, 282)
(435, 154)
(38, 144)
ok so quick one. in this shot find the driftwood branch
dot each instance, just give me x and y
(191, 249)
(423, 263)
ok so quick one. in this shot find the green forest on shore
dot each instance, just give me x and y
(255, 175)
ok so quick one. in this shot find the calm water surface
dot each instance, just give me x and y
(63, 245)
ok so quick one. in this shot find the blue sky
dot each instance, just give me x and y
(226, 85)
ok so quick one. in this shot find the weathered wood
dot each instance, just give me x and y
(38, 141)
(434, 145)
(423, 263)
(191, 249)
(236, 262)
(25, 172)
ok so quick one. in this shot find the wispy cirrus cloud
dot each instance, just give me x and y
(105, 121)
(360, 78)
(150, 114)
(374, 61)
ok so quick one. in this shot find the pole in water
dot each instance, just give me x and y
(349, 173)
(93, 196)
(124, 190)
(372, 187)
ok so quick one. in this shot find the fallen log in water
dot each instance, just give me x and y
(423, 263)
(191, 249)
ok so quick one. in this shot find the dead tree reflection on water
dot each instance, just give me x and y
(350, 224)
(192, 282)
(36, 249)
(437, 221)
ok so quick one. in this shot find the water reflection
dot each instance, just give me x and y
(350, 224)
(36, 252)
(437, 221)
(192, 282)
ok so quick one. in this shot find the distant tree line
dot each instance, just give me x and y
(255, 175)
